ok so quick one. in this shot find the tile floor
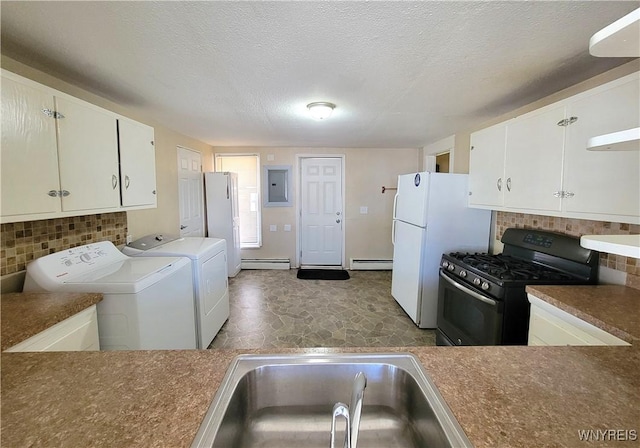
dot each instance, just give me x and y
(274, 309)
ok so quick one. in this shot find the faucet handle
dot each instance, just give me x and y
(357, 397)
(340, 410)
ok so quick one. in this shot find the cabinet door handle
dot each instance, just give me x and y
(114, 181)
(53, 193)
(508, 184)
(558, 194)
(64, 193)
(568, 194)
(126, 182)
(499, 184)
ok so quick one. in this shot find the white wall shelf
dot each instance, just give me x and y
(620, 39)
(628, 140)
(626, 245)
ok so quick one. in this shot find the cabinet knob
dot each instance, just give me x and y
(499, 184)
(127, 181)
(508, 184)
(53, 193)
(114, 181)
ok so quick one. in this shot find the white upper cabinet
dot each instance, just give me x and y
(137, 163)
(60, 156)
(486, 166)
(603, 182)
(548, 167)
(533, 166)
(88, 156)
(29, 176)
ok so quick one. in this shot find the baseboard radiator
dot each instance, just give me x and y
(370, 264)
(265, 263)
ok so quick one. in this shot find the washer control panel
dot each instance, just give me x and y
(76, 261)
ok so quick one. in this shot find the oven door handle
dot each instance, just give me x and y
(472, 293)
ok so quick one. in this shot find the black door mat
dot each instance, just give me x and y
(323, 274)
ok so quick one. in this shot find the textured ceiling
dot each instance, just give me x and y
(403, 74)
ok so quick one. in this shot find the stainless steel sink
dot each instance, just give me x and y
(287, 401)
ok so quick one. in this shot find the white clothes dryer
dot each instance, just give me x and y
(210, 283)
(147, 302)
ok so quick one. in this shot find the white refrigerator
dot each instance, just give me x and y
(223, 217)
(431, 217)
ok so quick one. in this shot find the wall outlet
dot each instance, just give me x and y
(273, 228)
(364, 210)
(129, 239)
(287, 227)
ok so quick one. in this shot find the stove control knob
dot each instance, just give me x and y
(463, 274)
(445, 264)
(485, 286)
(476, 281)
(451, 267)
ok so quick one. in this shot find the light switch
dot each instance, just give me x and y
(364, 210)
(273, 228)
(287, 227)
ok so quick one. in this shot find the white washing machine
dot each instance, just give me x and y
(209, 264)
(147, 302)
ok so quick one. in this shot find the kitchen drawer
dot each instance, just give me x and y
(76, 333)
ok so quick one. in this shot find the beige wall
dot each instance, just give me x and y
(164, 218)
(596, 81)
(366, 171)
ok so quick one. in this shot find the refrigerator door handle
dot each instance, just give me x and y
(395, 205)
(393, 232)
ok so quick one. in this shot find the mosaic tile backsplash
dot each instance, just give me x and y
(22, 242)
(577, 228)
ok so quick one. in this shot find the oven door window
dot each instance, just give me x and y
(466, 316)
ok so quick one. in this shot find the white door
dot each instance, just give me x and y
(533, 164)
(407, 266)
(606, 182)
(486, 166)
(137, 163)
(87, 155)
(321, 214)
(29, 169)
(191, 202)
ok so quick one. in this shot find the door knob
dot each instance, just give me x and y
(183, 227)
(338, 213)
(338, 221)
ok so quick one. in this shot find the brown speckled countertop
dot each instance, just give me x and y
(612, 308)
(501, 396)
(27, 314)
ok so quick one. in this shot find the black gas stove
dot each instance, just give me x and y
(482, 298)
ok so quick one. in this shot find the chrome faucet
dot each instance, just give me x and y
(351, 414)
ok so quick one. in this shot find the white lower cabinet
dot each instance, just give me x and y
(549, 325)
(76, 333)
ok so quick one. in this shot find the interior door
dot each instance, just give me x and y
(321, 214)
(190, 188)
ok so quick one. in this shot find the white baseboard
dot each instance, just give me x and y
(370, 264)
(266, 263)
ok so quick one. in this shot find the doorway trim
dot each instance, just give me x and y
(298, 187)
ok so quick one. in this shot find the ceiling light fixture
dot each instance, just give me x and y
(321, 110)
